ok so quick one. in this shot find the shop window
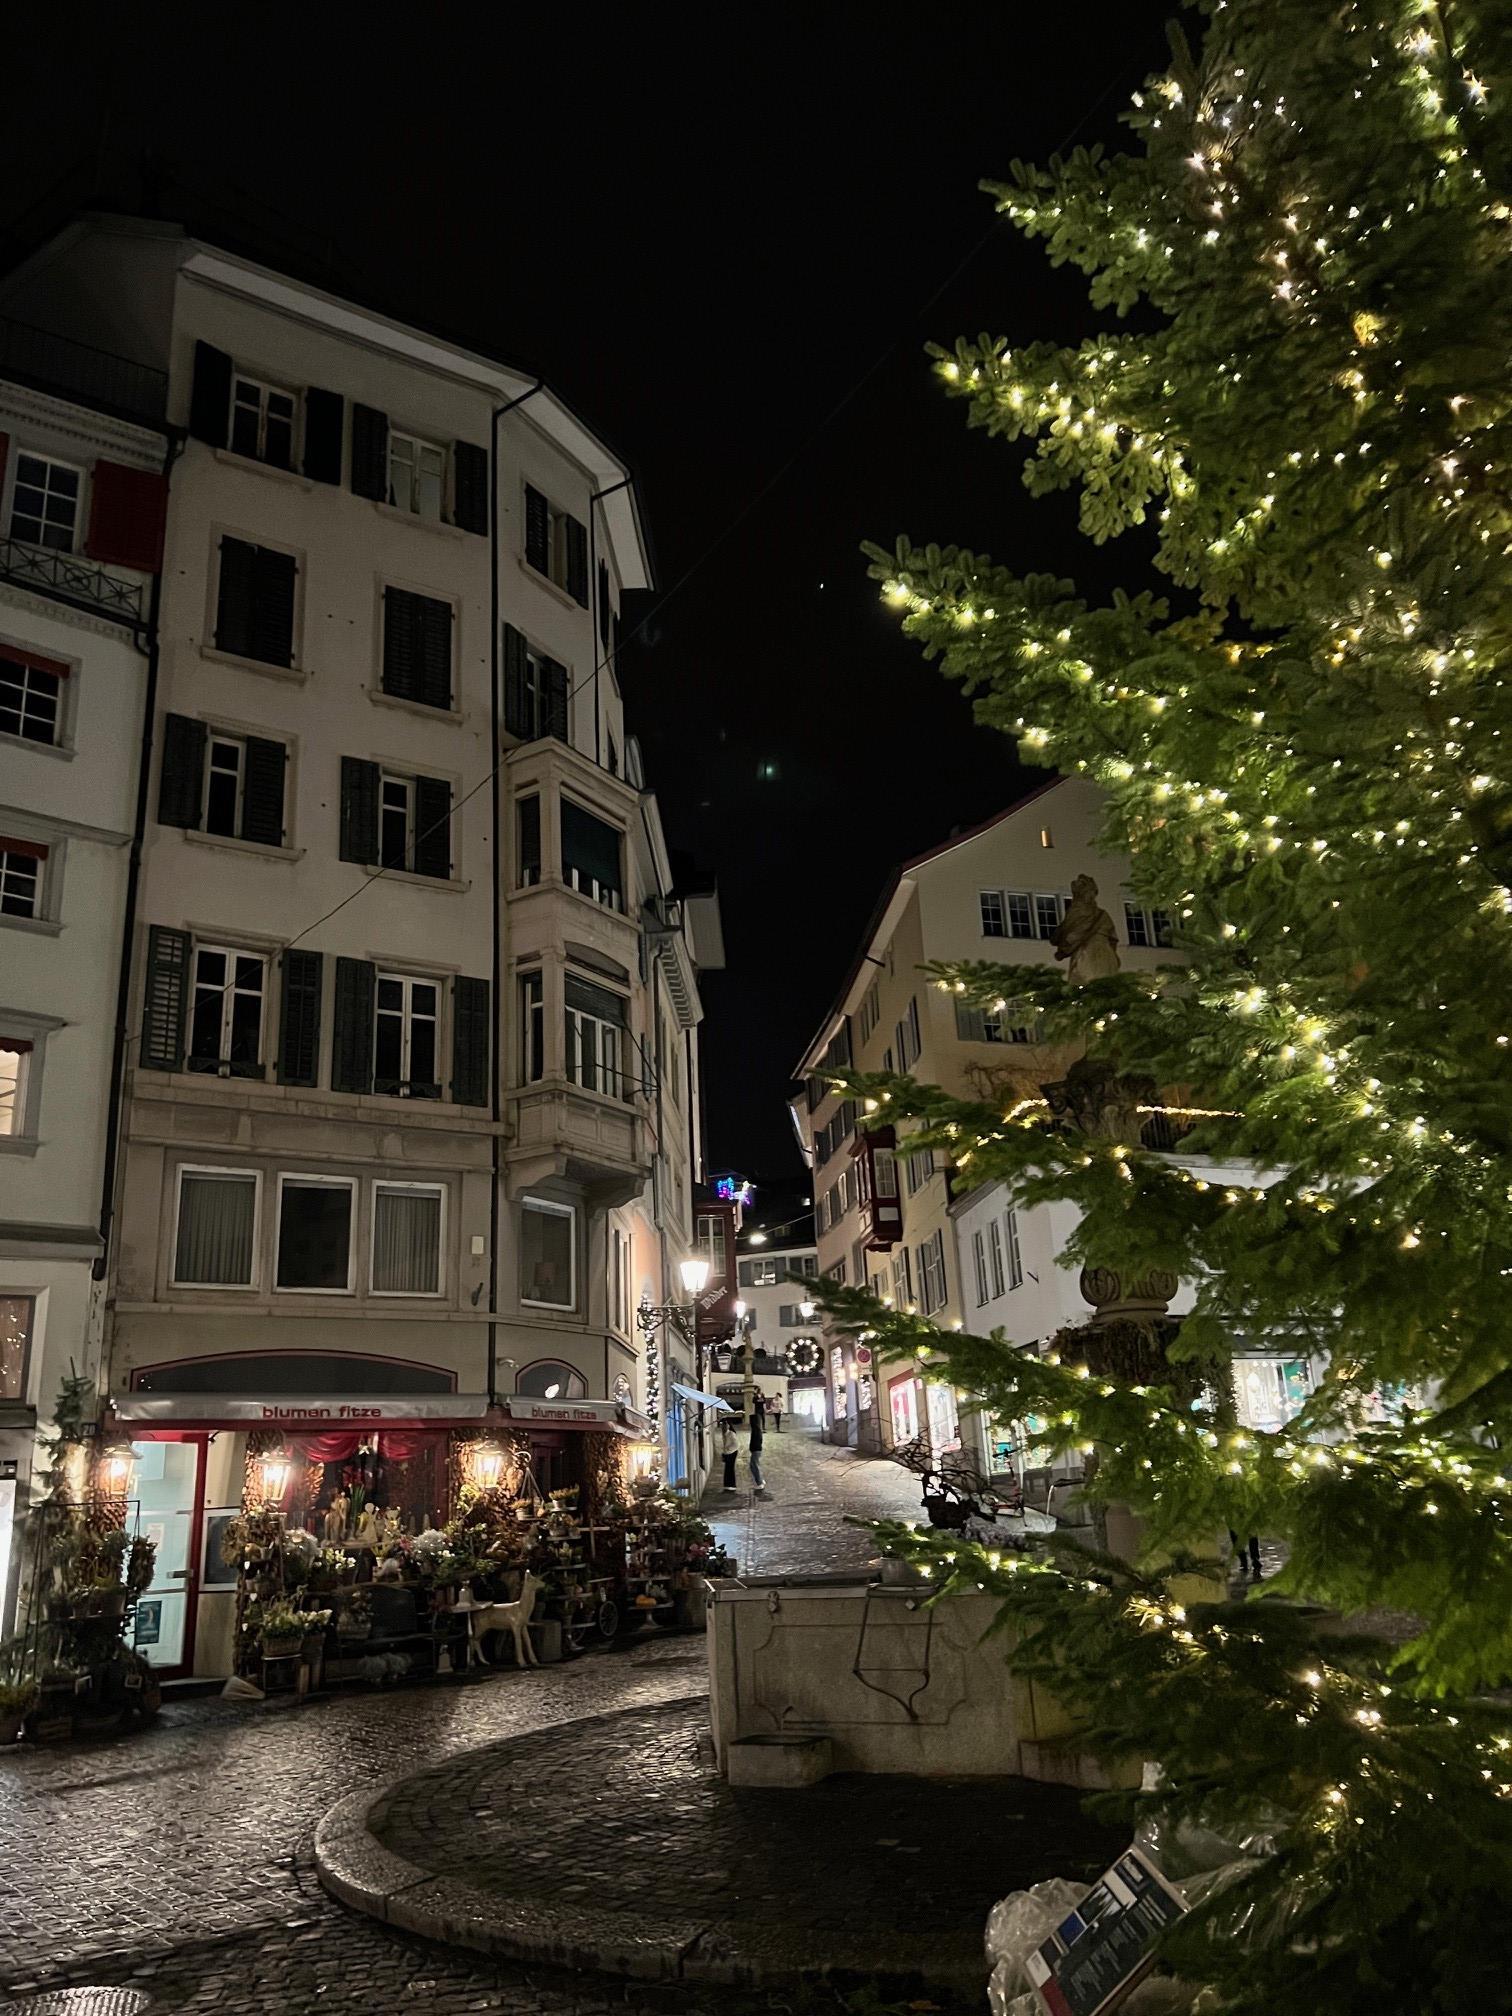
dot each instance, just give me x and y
(31, 695)
(903, 1400)
(550, 1379)
(18, 1315)
(216, 1237)
(591, 856)
(226, 1023)
(548, 1239)
(944, 1418)
(45, 502)
(315, 1234)
(407, 1221)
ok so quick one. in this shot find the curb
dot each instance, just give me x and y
(356, 1868)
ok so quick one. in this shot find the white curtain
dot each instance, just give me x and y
(216, 1216)
(407, 1242)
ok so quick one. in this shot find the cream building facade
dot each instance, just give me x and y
(410, 1124)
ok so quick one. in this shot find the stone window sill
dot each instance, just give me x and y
(453, 882)
(37, 748)
(452, 715)
(42, 927)
(294, 674)
(545, 581)
(254, 847)
(270, 469)
(402, 517)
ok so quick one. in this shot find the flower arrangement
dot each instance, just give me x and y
(140, 1563)
(282, 1623)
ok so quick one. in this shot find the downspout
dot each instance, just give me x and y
(496, 764)
(598, 621)
(133, 885)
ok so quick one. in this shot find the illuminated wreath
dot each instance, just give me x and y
(804, 1357)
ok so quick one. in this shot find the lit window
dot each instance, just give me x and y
(416, 475)
(17, 1313)
(215, 1242)
(22, 863)
(31, 696)
(225, 1031)
(406, 1239)
(405, 1036)
(45, 502)
(262, 422)
(14, 1052)
(547, 1254)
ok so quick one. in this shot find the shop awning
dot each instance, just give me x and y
(299, 1410)
(703, 1399)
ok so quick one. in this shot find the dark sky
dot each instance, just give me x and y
(705, 244)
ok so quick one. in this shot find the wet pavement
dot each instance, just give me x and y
(815, 1490)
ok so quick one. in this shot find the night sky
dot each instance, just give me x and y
(708, 246)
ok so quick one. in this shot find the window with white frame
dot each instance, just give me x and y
(225, 783)
(903, 1403)
(23, 873)
(45, 502)
(1136, 924)
(932, 1292)
(406, 1036)
(902, 1278)
(31, 696)
(619, 1280)
(994, 914)
(262, 421)
(532, 1028)
(18, 1315)
(921, 1166)
(15, 1062)
(1160, 926)
(595, 1034)
(759, 1274)
(396, 821)
(215, 1236)
(995, 1259)
(979, 1261)
(944, 1417)
(1015, 1255)
(226, 1014)
(407, 1232)
(416, 475)
(315, 1216)
(548, 1254)
(871, 1010)
(1021, 913)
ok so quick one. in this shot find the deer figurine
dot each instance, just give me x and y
(512, 1617)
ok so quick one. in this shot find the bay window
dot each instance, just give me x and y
(532, 1029)
(595, 1033)
(591, 856)
(548, 1241)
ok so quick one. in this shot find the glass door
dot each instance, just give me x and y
(166, 1488)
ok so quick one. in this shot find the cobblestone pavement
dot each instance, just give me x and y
(815, 1488)
(627, 1815)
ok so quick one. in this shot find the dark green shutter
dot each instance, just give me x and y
(555, 722)
(165, 989)
(435, 652)
(470, 1047)
(352, 1041)
(603, 605)
(614, 644)
(181, 785)
(369, 453)
(516, 689)
(299, 1021)
(210, 396)
(401, 643)
(273, 579)
(537, 531)
(233, 609)
(432, 826)
(470, 487)
(359, 810)
(324, 416)
(577, 561)
(263, 792)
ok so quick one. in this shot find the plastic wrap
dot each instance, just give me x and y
(1016, 1926)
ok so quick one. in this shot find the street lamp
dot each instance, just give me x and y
(695, 1276)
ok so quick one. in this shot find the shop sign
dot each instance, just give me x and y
(149, 1621)
(863, 1354)
(574, 1413)
(316, 1411)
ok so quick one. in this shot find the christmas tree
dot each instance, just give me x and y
(1306, 749)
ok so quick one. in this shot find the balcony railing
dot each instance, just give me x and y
(77, 370)
(66, 578)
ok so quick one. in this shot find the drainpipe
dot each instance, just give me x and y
(597, 618)
(496, 762)
(113, 1101)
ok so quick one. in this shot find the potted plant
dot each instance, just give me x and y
(17, 1700)
(284, 1629)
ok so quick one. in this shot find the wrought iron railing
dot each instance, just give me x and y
(100, 378)
(66, 578)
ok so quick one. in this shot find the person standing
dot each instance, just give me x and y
(729, 1449)
(757, 1441)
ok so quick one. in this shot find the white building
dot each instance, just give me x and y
(776, 1254)
(411, 1098)
(82, 488)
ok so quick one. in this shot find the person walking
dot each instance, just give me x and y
(757, 1441)
(777, 1410)
(1239, 1553)
(729, 1449)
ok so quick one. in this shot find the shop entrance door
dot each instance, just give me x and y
(167, 1487)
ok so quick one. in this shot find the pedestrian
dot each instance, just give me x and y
(757, 1439)
(777, 1410)
(729, 1448)
(1239, 1552)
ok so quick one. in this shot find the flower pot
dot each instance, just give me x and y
(287, 1647)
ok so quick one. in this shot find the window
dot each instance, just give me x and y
(254, 610)
(405, 1036)
(17, 1315)
(556, 545)
(532, 1029)
(1020, 915)
(45, 502)
(619, 1280)
(15, 1052)
(529, 823)
(932, 1273)
(1136, 924)
(31, 695)
(407, 1220)
(836, 1273)
(315, 1234)
(548, 1254)
(549, 1379)
(536, 692)
(921, 1166)
(902, 1278)
(595, 1026)
(23, 865)
(903, 1401)
(226, 1020)
(1047, 915)
(416, 475)
(1160, 926)
(396, 821)
(979, 1261)
(871, 1009)
(808, 1262)
(995, 1256)
(215, 1243)
(994, 914)
(224, 781)
(216, 781)
(944, 1417)
(591, 856)
(790, 1315)
(262, 422)
(1015, 1256)
(758, 1274)
(417, 648)
(843, 1189)
(710, 1237)
(991, 1025)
